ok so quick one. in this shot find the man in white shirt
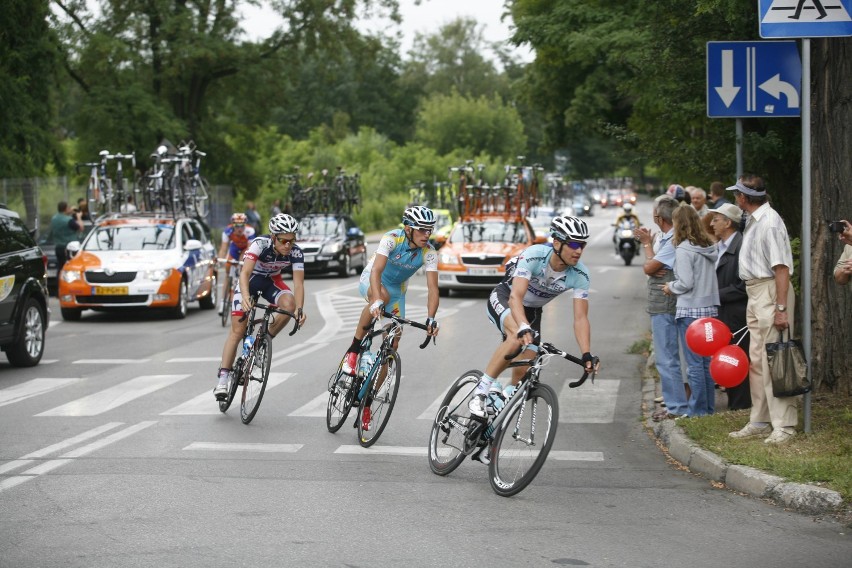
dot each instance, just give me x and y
(766, 264)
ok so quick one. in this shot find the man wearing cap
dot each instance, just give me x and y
(725, 222)
(766, 264)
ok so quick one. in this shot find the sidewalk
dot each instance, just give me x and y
(809, 499)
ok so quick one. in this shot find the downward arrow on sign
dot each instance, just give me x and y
(727, 92)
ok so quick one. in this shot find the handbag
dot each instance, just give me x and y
(787, 367)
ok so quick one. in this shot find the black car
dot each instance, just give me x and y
(23, 292)
(332, 243)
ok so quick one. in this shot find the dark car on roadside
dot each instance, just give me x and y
(23, 292)
(332, 243)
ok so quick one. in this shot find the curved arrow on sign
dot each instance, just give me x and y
(775, 87)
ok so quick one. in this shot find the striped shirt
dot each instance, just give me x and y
(765, 244)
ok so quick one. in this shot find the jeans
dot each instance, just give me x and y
(667, 356)
(703, 398)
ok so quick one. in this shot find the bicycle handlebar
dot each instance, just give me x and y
(399, 320)
(275, 309)
(553, 350)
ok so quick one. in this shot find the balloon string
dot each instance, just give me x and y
(743, 328)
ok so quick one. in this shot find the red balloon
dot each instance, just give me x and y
(729, 366)
(705, 336)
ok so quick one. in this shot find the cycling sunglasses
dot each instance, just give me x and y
(284, 241)
(575, 245)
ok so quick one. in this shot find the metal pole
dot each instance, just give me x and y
(739, 148)
(806, 220)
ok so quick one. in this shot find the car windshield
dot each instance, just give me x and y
(318, 227)
(442, 220)
(489, 232)
(147, 237)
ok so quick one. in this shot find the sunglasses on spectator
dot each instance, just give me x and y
(284, 241)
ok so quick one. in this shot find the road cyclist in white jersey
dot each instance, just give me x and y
(534, 278)
(263, 261)
(384, 280)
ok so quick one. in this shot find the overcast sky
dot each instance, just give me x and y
(426, 18)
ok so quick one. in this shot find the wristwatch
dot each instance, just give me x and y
(781, 307)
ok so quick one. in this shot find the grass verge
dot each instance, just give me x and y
(823, 457)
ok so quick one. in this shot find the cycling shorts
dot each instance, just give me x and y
(270, 288)
(396, 306)
(498, 311)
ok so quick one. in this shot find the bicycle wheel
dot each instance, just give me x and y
(523, 441)
(200, 197)
(255, 377)
(226, 298)
(233, 383)
(381, 400)
(447, 441)
(342, 389)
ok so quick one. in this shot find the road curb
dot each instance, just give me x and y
(804, 498)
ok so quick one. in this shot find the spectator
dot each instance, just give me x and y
(65, 226)
(766, 264)
(732, 292)
(128, 206)
(843, 269)
(697, 294)
(659, 268)
(699, 201)
(252, 216)
(83, 208)
(679, 194)
(276, 208)
(717, 195)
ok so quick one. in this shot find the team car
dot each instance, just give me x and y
(332, 243)
(139, 260)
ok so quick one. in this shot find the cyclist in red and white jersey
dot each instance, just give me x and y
(235, 240)
(263, 262)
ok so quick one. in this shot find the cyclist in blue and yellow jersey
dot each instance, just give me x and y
(533, 278)
(263, 261)
(385, 279)
(235, 240)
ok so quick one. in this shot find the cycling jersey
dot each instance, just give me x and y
(237, 242)
(545, 284)
(403, 262)
(268, 262)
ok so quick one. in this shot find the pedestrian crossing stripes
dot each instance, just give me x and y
(244, 447)
(32, 388)
(204, 404)
(113, 397)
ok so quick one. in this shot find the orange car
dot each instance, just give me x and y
(139, 260)
(475, 254)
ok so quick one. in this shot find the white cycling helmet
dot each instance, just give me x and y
(628, 207)
(569, 228)
(283, 223)
(419, 217)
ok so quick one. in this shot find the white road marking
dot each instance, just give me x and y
(65, 459)
(315, 408)
(205, 404)
(194, 360)
(109, 361)
(244, 447)
(575, 456)
(32, 388)
(384, 450)
(432, 410)
(589, 404)
(113, 397)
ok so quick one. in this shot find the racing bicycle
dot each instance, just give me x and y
(514, 441)
(375, 385)
(232, 277)
(251, 368)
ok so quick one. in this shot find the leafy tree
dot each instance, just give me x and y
(482, 125)
(28, 68)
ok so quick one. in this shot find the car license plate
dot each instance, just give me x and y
(482, 271)
(110, 290)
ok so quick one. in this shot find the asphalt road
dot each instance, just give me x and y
(113, 453)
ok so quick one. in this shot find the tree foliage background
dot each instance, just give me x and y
(619, 87)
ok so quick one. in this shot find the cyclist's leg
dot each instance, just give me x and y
(394, 304)
(282, 296)
(229, 350)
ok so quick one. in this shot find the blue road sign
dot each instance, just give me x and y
(805, 18)
(753, 79)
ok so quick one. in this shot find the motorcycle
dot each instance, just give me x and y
(625, 242)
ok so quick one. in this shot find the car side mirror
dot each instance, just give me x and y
(192, 244)
(355, 232)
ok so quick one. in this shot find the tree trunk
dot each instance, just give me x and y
(831, 127)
